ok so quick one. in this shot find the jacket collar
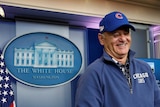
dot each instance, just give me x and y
(106, 56)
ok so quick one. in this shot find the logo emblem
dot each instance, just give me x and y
(42, 59)
(140, 77)
(119, 16)
(101, 28)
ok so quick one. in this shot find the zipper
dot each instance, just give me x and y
(130, 85)
(123, 69)
(127, 76)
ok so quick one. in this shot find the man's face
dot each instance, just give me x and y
(117, 43)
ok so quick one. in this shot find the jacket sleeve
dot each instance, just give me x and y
(89, 91)
(156, 94)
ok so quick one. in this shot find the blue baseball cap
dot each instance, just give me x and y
(113, 21)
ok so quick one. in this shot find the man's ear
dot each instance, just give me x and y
(101, 38)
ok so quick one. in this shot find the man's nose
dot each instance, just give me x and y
(122, 37)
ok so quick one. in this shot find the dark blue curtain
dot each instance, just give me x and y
(94, 48)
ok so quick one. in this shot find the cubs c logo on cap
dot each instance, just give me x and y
(118, 16)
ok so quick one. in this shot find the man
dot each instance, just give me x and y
(117, 79)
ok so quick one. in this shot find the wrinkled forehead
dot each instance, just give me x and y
(123, 28)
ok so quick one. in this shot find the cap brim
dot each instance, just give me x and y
(126, 25)
(132, 27)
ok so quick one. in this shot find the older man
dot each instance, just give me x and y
(117, 79)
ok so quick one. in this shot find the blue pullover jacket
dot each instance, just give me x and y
(104, 85)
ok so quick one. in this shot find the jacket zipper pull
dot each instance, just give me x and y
(130, 85)
(131, 90)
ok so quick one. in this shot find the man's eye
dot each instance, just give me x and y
(116, 34)
(126, 33)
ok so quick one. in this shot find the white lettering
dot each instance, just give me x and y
(140, 75)
(63, 71)
(41, 71)
(23, 70)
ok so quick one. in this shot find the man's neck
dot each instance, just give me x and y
(121, 60)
